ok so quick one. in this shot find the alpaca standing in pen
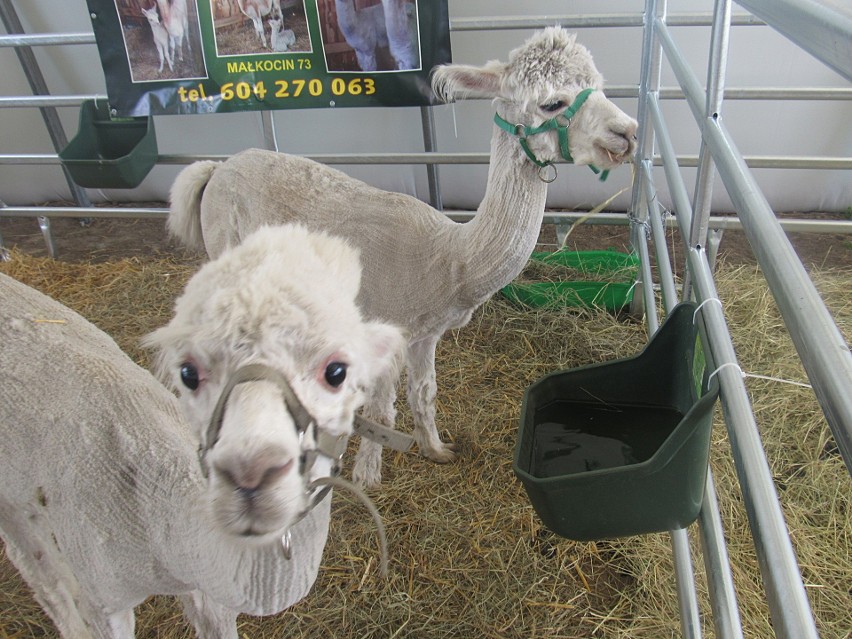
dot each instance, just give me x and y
(113, 490)
(423, 271)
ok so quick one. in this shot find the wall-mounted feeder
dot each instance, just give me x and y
(589, 279)
(621, 448)
(110, 153)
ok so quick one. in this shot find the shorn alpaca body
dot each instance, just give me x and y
(422, 271)
(392, 24)
(103, 501)
(257, 10)
(161, 37)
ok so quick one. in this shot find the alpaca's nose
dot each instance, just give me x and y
(248, 475)
(626, 130)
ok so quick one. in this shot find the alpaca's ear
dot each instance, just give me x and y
(161, 344)
(454, 81)
(385, 344)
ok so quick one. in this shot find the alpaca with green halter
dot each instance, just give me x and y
(522, 132)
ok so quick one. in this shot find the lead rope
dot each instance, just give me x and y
(374, 512)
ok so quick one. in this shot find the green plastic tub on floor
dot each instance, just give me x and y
(621, 448)
(619, 270)
(110, 153)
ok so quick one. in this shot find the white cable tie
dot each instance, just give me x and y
(709, 299)
(734, 364)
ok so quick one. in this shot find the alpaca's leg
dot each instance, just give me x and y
(210, 619)
(422, 389)
(35, 555)
(367, 470)
(121, 624)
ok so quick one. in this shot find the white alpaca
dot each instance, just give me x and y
(103, 501)
(421, 270)
(256, 10)
(175, 19)
(280, 39)
(161, 37)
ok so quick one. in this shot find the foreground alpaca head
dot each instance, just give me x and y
(283, 299)
(542, 79)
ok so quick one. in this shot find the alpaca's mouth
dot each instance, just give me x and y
(614, 155)
(257, 529)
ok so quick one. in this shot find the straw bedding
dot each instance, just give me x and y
(469, 557)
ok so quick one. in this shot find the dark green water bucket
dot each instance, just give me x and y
(108, 153)
(621, 448)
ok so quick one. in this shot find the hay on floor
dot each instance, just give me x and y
(469, 557)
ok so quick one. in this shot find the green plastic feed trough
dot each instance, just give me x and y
(109, 153)
(621, 448)
(617, 269)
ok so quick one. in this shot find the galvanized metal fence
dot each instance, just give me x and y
(820, 345)
(824, 29)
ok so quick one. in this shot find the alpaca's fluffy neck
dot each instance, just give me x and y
(255, 580)
(499, 239)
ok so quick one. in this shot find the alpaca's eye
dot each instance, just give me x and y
(550, 107)
(335, 373)
(189, 376)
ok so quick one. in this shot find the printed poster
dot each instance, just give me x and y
(164, 57)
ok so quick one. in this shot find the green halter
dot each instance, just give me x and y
(522, 132)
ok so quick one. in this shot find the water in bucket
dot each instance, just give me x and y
(577, 437)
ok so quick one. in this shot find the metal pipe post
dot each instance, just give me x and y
(716, 67)
(429, 136)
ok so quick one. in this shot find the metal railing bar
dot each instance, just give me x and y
(655, 219)
(456, 24)
(30, 101)
(690, 617)
(627, 91)
(430, 137)
(706, 173)
(685, 161)
(717, 565)
(823, 29)
(590, 20)
(460, 215)
(646, 280)
(46, 39)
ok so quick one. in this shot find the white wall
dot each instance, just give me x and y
(758, 57)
